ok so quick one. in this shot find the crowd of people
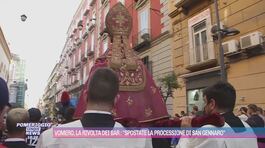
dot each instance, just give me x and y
(103, 87)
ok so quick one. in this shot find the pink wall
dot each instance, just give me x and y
(156, 16)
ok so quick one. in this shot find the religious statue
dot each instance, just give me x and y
(139, 102)
(138, 97)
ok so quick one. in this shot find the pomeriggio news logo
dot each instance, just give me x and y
(33, 128)
(34, 125)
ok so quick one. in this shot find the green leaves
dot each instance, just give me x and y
(169, 81)
(168, 84)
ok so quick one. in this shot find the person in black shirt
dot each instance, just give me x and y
(255, 121)
(32, 136)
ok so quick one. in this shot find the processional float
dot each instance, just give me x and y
(139, 101)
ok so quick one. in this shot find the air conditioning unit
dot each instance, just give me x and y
(250, 40)
(230, 46)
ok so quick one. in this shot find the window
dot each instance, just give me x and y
(79, 56)
(73, 60)
(106, 10)
(84, 74)
(195, 97)
(93, 19)
(78, 75)
(201, 47)
(69, 62)
(200, 41)
(144, 21)
(80, 34)
(122, 1)
(81, 20)
(87, 22)
(81, 13)
(105, 45)
(92, 41)
(86, 48)
(147, 63)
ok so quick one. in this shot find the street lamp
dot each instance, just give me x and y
(220, 34)
(23, 17)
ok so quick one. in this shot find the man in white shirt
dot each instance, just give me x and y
(220, 98)
(103, 88)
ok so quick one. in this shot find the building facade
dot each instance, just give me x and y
(195, 51)
(87, 39)
(5, 57)
(47, 103)
(17, 81)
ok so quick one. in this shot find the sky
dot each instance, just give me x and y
(39, 40)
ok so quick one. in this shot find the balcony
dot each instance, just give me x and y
(72, 69)
(142, 39)
(140, 3)
(78, 41)
(187, 4)
(73, 48)
(84, 58)
(104, 1)
(79, 24)
(86, 11)
(69, 71)
(90, 54)
(85, 34)
(74, 31)
(70, 53)
(103, 31)
(78, 64)
(92, 25)
(77, 84)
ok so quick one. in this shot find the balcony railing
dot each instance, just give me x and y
(85, 34)
(187, 4)
(142, 39)
(92, 25)
(103, 1)
(86, 11)
(78, 64)
(76, 84)
(78, 41)
(90, 53)
(80, 23)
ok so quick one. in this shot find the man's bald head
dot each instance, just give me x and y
(14, 116)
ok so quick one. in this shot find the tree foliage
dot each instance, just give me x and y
(168, 84)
